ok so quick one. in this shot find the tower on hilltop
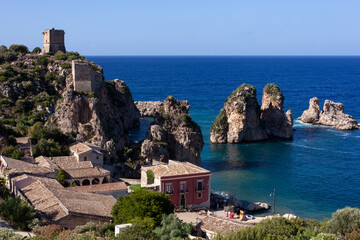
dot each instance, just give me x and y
(53, 41)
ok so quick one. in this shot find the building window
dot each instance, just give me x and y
(183, 187)
(200, 186)
(199, 195)
(85, 158)
(168, 189)
(97, 157)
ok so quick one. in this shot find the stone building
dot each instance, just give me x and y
(53, 41)
(88, 152)
(185, 183)
(85, 78)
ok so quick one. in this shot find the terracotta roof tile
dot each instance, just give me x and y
(98, 188)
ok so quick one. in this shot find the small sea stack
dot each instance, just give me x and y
(332, 114)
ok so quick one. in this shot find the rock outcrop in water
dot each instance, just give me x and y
(272, 117)
(312, 114)
(332, 115)
(173, 135)
(148, 108)
(242, 120)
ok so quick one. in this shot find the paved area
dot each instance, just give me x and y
(190, 217)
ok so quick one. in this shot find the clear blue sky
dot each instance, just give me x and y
(188, 27)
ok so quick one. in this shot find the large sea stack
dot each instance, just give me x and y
(173, 134)
(333, 114)
(239, 119)
(242, 120)
(275, 123)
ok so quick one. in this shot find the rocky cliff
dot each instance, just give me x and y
(242, 120)
(148, 108)
(273, 120)
(173, 134)
(332, 114)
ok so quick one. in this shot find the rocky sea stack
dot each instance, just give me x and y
(333, 114)
(242, 120)
(173, 134)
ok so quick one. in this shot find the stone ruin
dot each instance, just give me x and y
(53, 41)
(85, 78)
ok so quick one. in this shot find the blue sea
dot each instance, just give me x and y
(314, 175)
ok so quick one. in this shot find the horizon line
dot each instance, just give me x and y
(206, 55)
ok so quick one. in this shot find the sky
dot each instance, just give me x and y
(188, 27)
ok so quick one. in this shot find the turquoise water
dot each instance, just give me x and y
(315, 174)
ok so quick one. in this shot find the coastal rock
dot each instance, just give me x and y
(311, 115)
(257, 206)
(289, 216)
(239, 119)
(242, 120)
(99, 117)
(148, 108)
(333, 115)
(3, 142)
(272, 117)
(174, 131)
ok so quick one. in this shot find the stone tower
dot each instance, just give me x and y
(53, 41)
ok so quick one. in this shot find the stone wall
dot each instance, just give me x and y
(53, 41)
(85, 78)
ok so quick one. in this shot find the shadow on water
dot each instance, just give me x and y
(139, 134)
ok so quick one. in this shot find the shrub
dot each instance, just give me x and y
(17, 212)
(7, 234)
(65, 65)
(12, 152)
(220, 123)
(150, 177)
(3, 49)
(171, 228)
(60, 55)
(4, 192)
(48, 232)
(12, 141)
(49, 148)
(36, 50)
(18, 48)
(273, 90)
(141, 203)
(61, 176)
(43, 61)
(344, 221)
(136, 232)
(7, 57)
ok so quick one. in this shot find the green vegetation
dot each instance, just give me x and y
(18, 48)
(61, 176)
(140, 204)
(86, 94)
(150, 177)
(220, 123)
(7, 234)
(135, 187)
(162, 144)
(43, 61)
(244, 92)
(172, 228)
(273, 90)
(68, 56)
(4, 192)
(344, 221)
(36, 50)
(49, 141)
(138, 232)
(17, 212)
(12, 152)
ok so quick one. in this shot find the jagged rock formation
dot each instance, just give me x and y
(312, 114)
(332, 115)
(148, 108)
(173, 135)
(272, 116)
(242, 120)
(100, 117)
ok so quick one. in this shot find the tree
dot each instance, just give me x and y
(36, 50)
(136, 232)
(61, 177)
(150, 177)
(171, 228)
(141, 203)
(10, 151)
(344, 221)
(17, 212)
(18, 48)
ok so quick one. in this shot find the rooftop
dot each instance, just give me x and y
(175, 168)
(82, 148)
(98, 188)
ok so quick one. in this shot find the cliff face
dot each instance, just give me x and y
(242, 120)
(173, 135)
(273, 120)
(333, 114)
(99, 117)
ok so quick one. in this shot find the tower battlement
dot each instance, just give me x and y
(54, 41)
